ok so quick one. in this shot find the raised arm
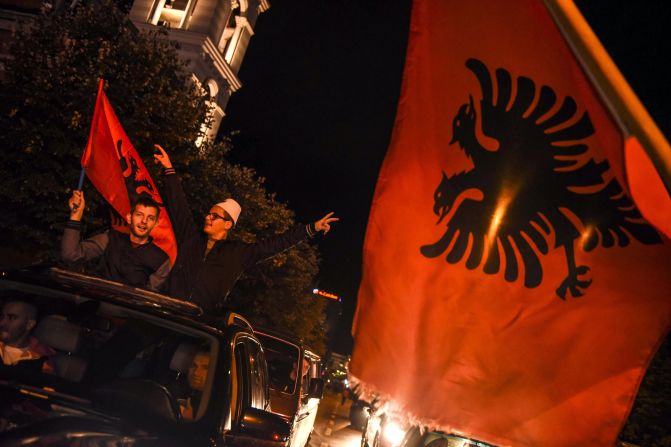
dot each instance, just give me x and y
(276, 244)
(175, 200)
(73, 249)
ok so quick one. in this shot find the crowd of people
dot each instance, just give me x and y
(206, 268)
(208, 263)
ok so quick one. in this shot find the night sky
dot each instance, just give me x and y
(321, 81)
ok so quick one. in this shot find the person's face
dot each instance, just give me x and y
(216, 226)
(15, 324)
(142, 220)
(198, 371)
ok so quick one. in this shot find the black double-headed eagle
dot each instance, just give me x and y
(535, 181)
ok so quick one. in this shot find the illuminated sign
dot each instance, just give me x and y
(326, 294)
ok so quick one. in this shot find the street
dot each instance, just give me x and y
(332, 427)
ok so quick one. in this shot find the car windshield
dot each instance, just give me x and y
(282, 358)
(100, 356)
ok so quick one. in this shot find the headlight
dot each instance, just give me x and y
(393, 432)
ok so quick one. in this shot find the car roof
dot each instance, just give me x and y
(112, 292)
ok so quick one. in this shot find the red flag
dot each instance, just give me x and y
(510, 283)
(118, 173)
(647, 188)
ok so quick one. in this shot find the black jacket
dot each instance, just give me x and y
(207, 281)
(145, 266)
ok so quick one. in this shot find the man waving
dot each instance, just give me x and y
(132, 258)
(208, 265)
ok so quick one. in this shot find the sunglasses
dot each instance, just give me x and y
(215, 216)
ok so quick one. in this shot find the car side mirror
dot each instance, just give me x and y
(316, 388)
(263, 425)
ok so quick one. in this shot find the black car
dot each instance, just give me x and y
(132, 368)
(359, 412)
(384, 428)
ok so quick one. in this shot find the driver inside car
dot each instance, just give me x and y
(196, 379)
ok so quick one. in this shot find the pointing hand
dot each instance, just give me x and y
(324, 224)
(161, 157)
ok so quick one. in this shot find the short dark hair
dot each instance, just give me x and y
(146, 202)
(27, 302)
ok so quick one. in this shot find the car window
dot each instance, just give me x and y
(251, 377)
(112, 357)
(242, 384)
(315, 367)
(282, 359)
(257, 370)
(305, 373)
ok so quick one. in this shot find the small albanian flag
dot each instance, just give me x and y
(118, 173)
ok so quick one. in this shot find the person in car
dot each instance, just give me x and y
(132, 258)
(293, 375)
(18, 347)
(207, 268)
(196, 378)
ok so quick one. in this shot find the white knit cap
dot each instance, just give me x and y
(232, 207)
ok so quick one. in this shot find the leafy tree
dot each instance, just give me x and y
(46, 104)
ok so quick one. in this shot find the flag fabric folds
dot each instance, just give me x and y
(509, 281)
(116, 170)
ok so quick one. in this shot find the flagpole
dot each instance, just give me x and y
(619, 97)
(81, 179)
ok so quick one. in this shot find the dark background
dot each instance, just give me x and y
(321, 81)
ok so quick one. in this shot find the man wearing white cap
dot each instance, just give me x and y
(207, 268)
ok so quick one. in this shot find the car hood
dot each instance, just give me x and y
(40, 411)
(68, 427)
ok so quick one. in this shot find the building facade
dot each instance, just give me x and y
(213, 37)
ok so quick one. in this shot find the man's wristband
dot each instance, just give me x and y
(74, 224)
(311, 230)
(168, 171)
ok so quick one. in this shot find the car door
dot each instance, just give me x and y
(258, 373)
(308, 405)
(251, 424)
(251, 377)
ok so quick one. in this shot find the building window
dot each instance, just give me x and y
(212, 89)
(231, 25)
(235, 37)
(171, 13)
(237, 46)
(208, 130)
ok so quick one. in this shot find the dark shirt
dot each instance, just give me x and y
(145, 265)
(207, 280)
